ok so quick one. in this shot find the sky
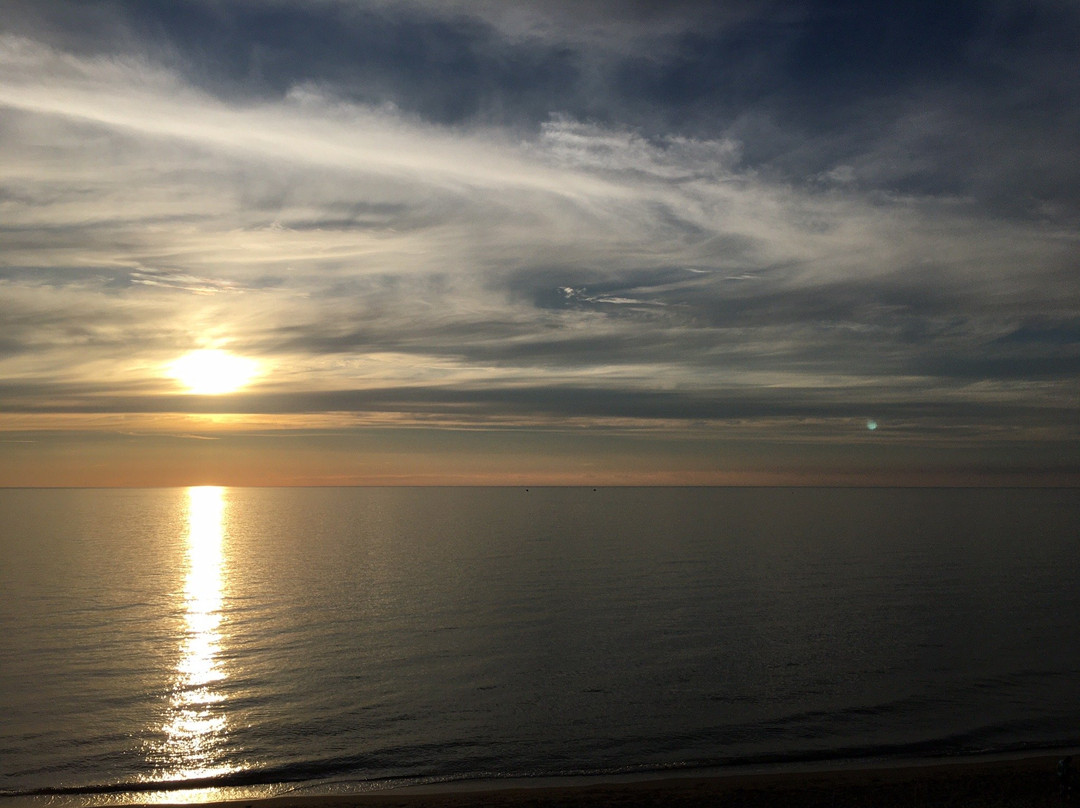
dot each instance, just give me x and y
(585, 242)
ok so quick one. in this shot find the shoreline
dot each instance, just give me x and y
(996, 782)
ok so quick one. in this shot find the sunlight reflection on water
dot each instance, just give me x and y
(195, 728)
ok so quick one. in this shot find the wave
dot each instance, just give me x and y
(261, 776)
(334, 774)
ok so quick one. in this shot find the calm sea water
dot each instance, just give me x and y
(180, 644)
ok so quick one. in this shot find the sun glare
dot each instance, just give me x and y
(212, 371)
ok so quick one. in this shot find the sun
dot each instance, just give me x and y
(212, 371)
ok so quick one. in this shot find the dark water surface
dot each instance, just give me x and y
(158, 643)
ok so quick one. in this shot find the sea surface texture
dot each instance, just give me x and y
(178, 644)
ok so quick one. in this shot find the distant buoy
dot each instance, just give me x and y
(871, 424)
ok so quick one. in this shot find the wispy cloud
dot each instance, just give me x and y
(909, 252)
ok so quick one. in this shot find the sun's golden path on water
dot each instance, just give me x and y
(195, 726)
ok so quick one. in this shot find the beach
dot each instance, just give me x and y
(1014, 783)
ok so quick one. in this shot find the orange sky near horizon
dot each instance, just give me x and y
(261, 456)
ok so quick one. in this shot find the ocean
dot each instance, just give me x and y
(207, 643)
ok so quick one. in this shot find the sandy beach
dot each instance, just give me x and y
(1027, 782)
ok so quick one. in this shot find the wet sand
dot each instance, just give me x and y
(1027, 782)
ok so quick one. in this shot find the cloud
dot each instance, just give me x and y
(908, 248)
